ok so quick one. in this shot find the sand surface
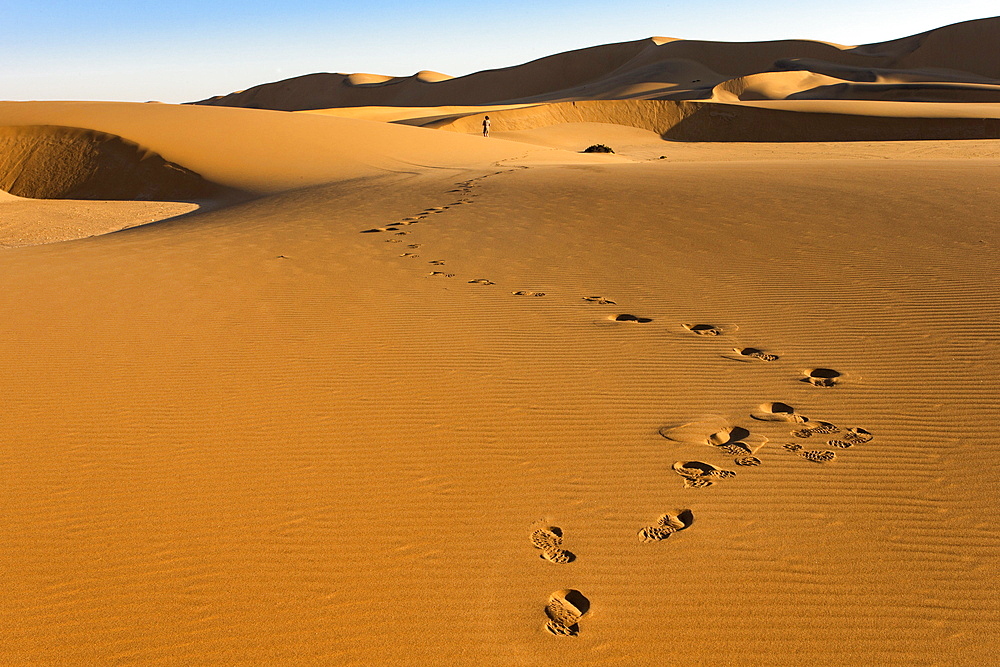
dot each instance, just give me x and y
(434, 399)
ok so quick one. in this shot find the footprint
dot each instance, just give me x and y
(777, 412)
(482, 281)
(755, 353)
(549, 540)
(413, 245)
(698, 474)
(625, 317)
(394, 241)
(402, 233)
(526, 293)
(747, 461)
(710, 329)
(564, 611)
(716, 432)
(601, 300)
(819, 428)
(822, 377)
(851, 437)
(441, 274)
(436, 262)
(696, 432)
(411, 255)
(818, 455)
(667, 525)
(739, 443)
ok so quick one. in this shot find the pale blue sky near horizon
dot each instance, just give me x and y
(185, 50)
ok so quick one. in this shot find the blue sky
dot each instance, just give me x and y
(183, 50)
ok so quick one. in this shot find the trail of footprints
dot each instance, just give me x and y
(465, 191)
(565, 608)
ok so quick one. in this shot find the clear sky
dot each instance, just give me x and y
(184, 50)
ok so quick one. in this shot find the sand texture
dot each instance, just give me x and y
(418, 397)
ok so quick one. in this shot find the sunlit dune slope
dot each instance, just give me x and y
(264, 151)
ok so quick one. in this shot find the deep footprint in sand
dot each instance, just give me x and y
(710, 329)
(822, 377)
(436, 262)
(481, 281)
(776, 411)
(564, 610)
(698, 474)
(667, 525)
(755, 353)
(549, 539)
(600, 300)
(411, 255)
(527, 293)
(626, 317)
(440, 274)
(735, 441)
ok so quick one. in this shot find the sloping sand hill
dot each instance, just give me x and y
(956, 63)
(53, 162)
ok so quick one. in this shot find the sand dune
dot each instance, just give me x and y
(260, 151)
(663, 68)
(51, 162)
(698, 121)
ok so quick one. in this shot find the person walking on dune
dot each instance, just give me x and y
(486, 126)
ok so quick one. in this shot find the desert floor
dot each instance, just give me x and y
(257, 435)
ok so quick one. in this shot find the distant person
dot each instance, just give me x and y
(486, 126)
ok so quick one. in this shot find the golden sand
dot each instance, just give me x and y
(436, 399)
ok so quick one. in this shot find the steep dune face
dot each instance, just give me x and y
(707, 121)
(808, 85)
(54, 162)
(660, 68)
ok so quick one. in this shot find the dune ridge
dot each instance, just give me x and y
(52, 162)
(959, 55)
(697, 121)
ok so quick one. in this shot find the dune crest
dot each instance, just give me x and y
(676, 69)
(53, 162)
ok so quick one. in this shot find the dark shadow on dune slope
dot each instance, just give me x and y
(55, 162)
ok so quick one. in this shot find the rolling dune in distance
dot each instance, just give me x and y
(395, 393)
